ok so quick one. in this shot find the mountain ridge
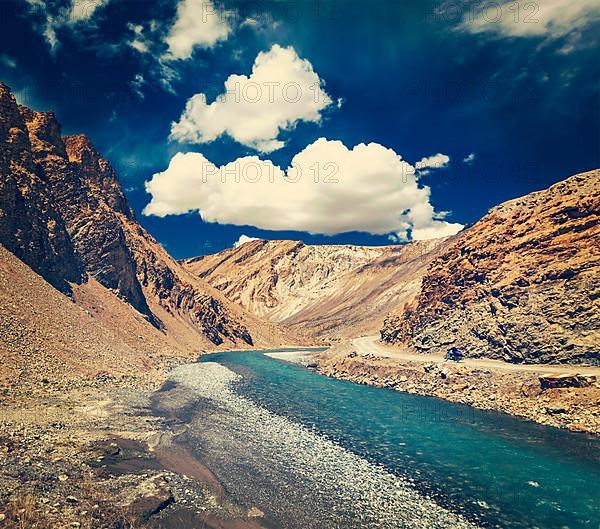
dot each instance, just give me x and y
(63, 212)
(521, 284)
(328, 291)
(518, 285)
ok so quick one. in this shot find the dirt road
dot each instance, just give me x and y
(370, 344)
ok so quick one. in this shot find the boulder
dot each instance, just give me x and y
(566, 380)
(150, 497)
(555, 409)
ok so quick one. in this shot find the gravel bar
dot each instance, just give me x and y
(299, 479)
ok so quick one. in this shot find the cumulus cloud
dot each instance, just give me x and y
(327, 189)
(281, 91)
(52, 16)
(198, 23)
(437, 161)
(551, 18)
(243, 240)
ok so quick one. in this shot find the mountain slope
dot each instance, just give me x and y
(44, 335)
(62, 211)
(522, 284)
(328, 291)
(30, 225)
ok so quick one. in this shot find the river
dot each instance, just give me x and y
(314, 452)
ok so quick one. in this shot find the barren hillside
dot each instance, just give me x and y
(331, 291)
(522, 284)
(64, 214)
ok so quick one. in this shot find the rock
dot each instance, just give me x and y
(566, 381)
(555, 409)
(531, 389)
(428, 368)
(460, 387)
(112, 449)
(150, 497)
(255, 512)
(532, 259)
(587, 379)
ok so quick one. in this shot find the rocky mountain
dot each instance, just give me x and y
(327, 291)
(521, 285)
(64, 214)
(30, 225)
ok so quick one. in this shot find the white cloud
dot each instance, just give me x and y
(198, 23)
(139, 45)
(137, 84)
(327, 189)
(52, 17)
(282, 90)
(549, 18)
(470, 159)
(84, 9)
(261, 23)
(139, 41)
(243, 240)
(437, 161)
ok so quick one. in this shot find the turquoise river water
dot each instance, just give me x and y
(497, 470)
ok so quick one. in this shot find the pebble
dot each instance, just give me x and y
(306, 480)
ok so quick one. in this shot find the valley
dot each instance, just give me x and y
(134, 391)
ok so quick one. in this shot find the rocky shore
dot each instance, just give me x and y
(516, 393)
(93, 454)
(298, 479)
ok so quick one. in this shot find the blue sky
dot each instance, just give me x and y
(494, 100)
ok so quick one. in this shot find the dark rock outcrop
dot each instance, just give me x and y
(30, 225)
(89, 199)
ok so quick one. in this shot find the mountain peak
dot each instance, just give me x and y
(44, 133)
(80, 148)
(5, 90)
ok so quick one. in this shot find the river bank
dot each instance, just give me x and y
(93, 453)
(189, 449)
(297, 478)
(517, 393)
